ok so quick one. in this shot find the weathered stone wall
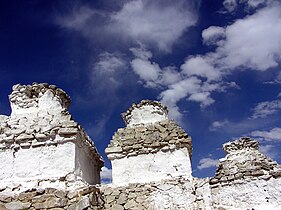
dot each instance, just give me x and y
(51, 198)
(167, 194)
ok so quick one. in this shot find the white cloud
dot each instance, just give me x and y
(243, 51)
(230, 5)
(218, 124)
(253, 42)
(207, 163)
(147, 71)
(150, 72)
(269, 150)
(108, 63)
(213, 35)
(178, 91)
(255, 49)
(106, 175)
(202, 97)
(263, 109)
(177, 84)
(154, 22)
(272, 135)
(256, 3)
(108, 69)
(200, 66)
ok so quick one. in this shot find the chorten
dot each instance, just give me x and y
(150, 148)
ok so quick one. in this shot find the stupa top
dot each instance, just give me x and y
(36, 97)
(240, 144)
(146, 112)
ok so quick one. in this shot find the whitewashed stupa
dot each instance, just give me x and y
(41, 145)
(150, 148)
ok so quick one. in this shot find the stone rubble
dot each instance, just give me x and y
(85, 198)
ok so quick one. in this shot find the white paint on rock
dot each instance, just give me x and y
(151, 167)
(173, 197)
(47, 101)
(38, 163)
(258, 195)
(147, 114)
(47, 164)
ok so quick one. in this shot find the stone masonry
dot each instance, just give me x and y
(49, 162)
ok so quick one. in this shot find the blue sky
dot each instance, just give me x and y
(215, 64)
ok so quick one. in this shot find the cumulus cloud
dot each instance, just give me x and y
(177, 84)
(150, 72)
(263, 109)
(200, 66)
(207, 162)
(106, 175)
(213, 35)
(253, 50)
(271, 135)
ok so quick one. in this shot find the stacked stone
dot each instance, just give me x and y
(26, 96)
(145, 139)
(42, 128)
(128, 114)
(50, 198)
(176, 194)
(244, 162)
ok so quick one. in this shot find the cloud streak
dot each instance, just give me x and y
(208, 162)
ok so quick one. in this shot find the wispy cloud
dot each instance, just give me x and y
(271, 135)
(263, 109)
(155, 23)
(207, 162)
(218, 124)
